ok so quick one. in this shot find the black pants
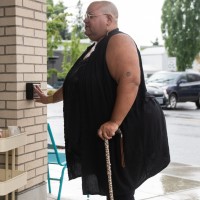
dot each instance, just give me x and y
(123, 197)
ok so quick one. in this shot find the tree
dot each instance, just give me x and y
(70, 54)
(56, 23)
(72, 48)
(79, 21)
(156, 43)
(181, 32)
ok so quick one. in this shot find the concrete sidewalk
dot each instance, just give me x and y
(176, 182)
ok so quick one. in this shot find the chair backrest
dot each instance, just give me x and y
(53, 147)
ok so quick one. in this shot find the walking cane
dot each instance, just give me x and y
(108, 164)
(109, 172)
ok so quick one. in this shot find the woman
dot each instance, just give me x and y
(103, 93)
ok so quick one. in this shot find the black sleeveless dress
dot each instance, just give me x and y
(89, 96)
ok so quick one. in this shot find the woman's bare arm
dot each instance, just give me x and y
(123, 64)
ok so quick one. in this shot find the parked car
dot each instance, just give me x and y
(158, 93)
(176, 87)
(58, 84)
(50, 89)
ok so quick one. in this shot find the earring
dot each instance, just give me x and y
(107, 33)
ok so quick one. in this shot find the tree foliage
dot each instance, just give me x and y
(79, 21)
(181, 32)
(56, 23)
(72, 48)
(70, 54)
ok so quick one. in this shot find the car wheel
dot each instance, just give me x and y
(198, 103)
(172, 101)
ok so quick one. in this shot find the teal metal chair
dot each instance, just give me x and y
(55, 157)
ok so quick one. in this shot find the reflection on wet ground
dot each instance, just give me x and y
(176, 182)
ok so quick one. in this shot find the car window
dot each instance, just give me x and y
(193, 77)
(198, 77)
(163, 78)
(182, 79)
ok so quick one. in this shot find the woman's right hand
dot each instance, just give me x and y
(45, 99)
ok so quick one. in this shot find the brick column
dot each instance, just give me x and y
(23, 58)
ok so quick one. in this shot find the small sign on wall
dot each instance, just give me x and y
(171, 64)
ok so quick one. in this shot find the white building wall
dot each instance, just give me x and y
(155, 61)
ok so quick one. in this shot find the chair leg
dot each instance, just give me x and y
(61, 182)
(49, 181)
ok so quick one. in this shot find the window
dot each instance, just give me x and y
(193, 77)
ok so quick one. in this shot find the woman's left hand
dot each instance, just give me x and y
(107, 130)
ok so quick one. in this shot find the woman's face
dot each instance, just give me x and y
(95, 22)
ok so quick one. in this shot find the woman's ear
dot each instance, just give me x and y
(110, 19)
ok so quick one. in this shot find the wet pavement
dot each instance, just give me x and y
(176, 182)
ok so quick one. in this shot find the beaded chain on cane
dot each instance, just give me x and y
(109, 173)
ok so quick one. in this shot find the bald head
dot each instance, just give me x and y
(101, 18)
(106, 7)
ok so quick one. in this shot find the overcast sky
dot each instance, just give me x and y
(141, 19)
